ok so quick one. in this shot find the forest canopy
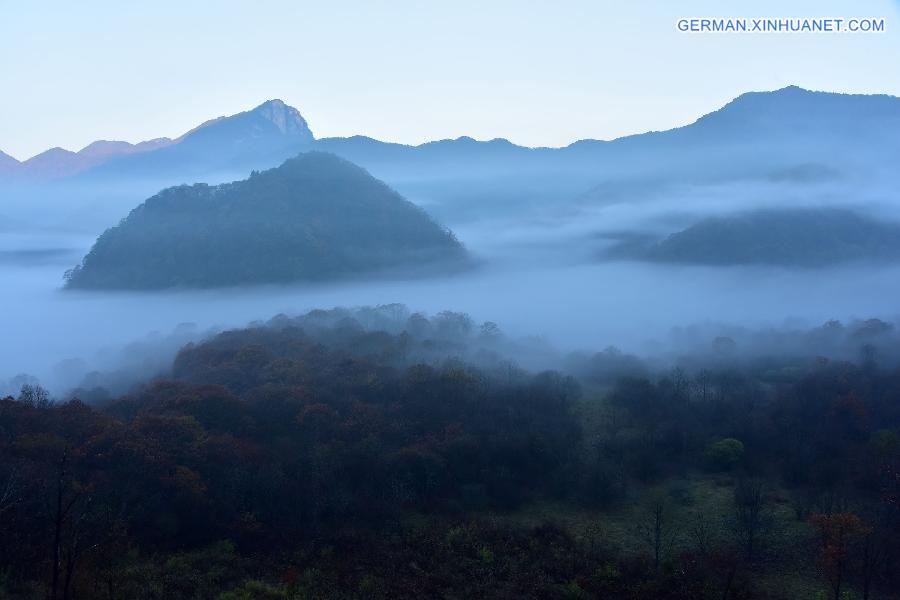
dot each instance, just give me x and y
(380, 453)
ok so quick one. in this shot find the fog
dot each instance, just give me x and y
(539, 278)
(537, 222)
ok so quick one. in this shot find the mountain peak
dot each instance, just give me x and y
(287, 121)
(54, 153)
(276, 103)
(790, 93)
(102, 149)
(105, 148)
(792, 89)
(796, 93)
(794, 110)
(286, 118)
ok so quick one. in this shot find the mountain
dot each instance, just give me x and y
(793, 135)
(57, 163)
(316, 217)
(758, 135)
(89, 189)
(104, 149)
(778, 123)
(226, 146)
(256, 138)
(782, 121)
(788, 237)
(796, 112)
(767, 117)
(52, 163)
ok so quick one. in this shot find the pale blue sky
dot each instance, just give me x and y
(536, 72)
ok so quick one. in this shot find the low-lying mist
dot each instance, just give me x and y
(540, 279)
(658, 313)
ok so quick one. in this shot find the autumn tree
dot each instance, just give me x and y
(837, 533)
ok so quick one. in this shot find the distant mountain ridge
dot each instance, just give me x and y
(274, 131)
(805, 110)
(795, 133)
(59, 162)
(268, 121)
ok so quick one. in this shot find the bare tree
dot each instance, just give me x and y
(749, 520)
(701, 533)
(656, 527)
(703, 386)
(873, 550)
(35, 395)
(722, 560)
(64, 497)
(9, 490)
(81, 523)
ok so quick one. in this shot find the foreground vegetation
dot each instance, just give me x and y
(365, 455)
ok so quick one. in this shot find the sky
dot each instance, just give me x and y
(539, 73)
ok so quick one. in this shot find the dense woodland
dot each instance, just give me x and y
(379, 454)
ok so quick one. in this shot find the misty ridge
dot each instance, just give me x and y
(790, 237)
(399, 337)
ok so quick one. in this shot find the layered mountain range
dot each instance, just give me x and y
(789, 148)
(772, 126)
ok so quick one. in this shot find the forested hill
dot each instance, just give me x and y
(315, 217)
(787, 237)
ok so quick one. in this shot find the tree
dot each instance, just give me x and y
(35, 395)
(9, 489)
(66, 494)
(749, 519)
(79, 519)
(657, 527)
(837, 532)
(725, 454)
(489, 331)
(872, 555)
(452, 325)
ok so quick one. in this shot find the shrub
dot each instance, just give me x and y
(725, 454)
